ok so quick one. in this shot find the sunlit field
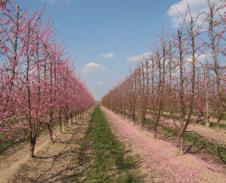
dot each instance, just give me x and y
(112, 91)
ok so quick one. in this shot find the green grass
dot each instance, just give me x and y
(218, 151)
(224, 116)
(111, 164)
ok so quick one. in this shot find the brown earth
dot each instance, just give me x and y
(55, 162)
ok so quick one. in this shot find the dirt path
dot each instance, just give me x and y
(11, 163)
(214, 135)
(55, 163)
(160, 159)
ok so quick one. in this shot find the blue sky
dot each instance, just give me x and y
(103, 37)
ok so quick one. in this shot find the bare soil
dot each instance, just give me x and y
(55, 162)
(12, 160)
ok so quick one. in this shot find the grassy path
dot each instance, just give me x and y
(111, 163)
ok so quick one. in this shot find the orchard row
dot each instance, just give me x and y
(184, 76)
(38, 87)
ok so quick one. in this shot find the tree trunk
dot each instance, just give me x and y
(155, 132)
(49, 126)
(181, 142)
(60, 121)
(32, 144)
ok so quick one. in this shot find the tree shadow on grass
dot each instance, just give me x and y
(222, 154)
(193, 149)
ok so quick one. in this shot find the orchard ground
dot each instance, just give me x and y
(104, 147)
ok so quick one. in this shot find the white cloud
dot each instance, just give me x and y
(138, 58)
(202, 59)
(92, 67)
(178, 10)
(109, 55)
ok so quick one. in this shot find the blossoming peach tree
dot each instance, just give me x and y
(37, 87)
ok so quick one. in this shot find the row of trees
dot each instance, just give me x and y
(38, 87)
(184, 76)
